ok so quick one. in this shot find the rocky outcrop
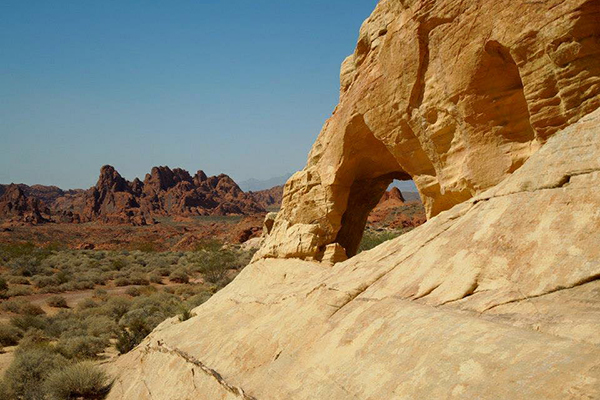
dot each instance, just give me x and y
(164, 192)
(496, 298)
(269, 197)
(391, 198)
(15, 205)
(455, 95)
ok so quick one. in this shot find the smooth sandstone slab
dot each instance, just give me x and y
(498, 297)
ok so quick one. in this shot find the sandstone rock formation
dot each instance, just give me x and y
(15, 205)
(269, 197)
(489, 107)
(497, 298)
(390, 198)
(455, 95)
(164, 192)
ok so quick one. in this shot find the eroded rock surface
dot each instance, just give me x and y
(456, 95)
(498, 297)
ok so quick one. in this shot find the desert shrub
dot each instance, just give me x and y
(138, 279)
(198, 299)
(81, 347)
(18, 280)
(86, 304)
(26, 322)
(12, 305)
(6, 392)
(131, 336)
(20, 306)
(77, 381)
(155, 278)
(373, 239)
(83, 285)
(100, 293)
(100, 325)
(57, 302)
(30, 368)
(215, 264)
(132, 291)
(116, 308)
(9, 335)
(19, 291)
(34, 338)
(179, 276)
(169, 289)
(147, 290)
(3, 285)
(186, 313)
(52, 289)
(122, 282)
(43, 281)
(118, 264)
(163, 271)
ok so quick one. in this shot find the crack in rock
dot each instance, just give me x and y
(163, 348)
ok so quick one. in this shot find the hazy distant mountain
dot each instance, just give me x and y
(255, 185)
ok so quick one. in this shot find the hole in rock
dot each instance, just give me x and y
(399, 211)
(379, 210)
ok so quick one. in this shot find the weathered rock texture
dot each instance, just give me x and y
(497, 298)
(164, 192)
(455, 94)
(17, 206)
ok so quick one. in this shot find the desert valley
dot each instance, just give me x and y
(483, 283)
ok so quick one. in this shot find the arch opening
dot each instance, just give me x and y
(378, 210)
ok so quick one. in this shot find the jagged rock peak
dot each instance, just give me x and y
(111, 180)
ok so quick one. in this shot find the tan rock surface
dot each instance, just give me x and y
(456, 95)
(497, 298)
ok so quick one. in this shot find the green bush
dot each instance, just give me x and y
(186, 313)
(26, 322)
(155, 278)
(18, 280)
(9, 335)
(122, 282)
(20, 306)
(15, 291)
(78, 381)
(215, 264)
(373, 239)
(6, 392)
(30, 368)
(3, 285)
(128, 338)
(81, 347)
(34, 338)
(132, 291)
(57, 302)
(179, 276)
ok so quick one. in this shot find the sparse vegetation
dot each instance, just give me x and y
(77, 381)
(54, 349)
(372, 239)
(57, 302)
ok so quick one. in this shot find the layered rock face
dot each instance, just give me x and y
(269, 197)
(164, 192)
(19, 207)
(455, 95)
(497, 298)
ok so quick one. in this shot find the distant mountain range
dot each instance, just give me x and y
(254, 185)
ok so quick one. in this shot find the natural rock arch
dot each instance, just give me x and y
(456, 115)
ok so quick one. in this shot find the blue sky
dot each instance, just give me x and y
(232, 86)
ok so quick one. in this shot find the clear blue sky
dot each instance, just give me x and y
(240, 87)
